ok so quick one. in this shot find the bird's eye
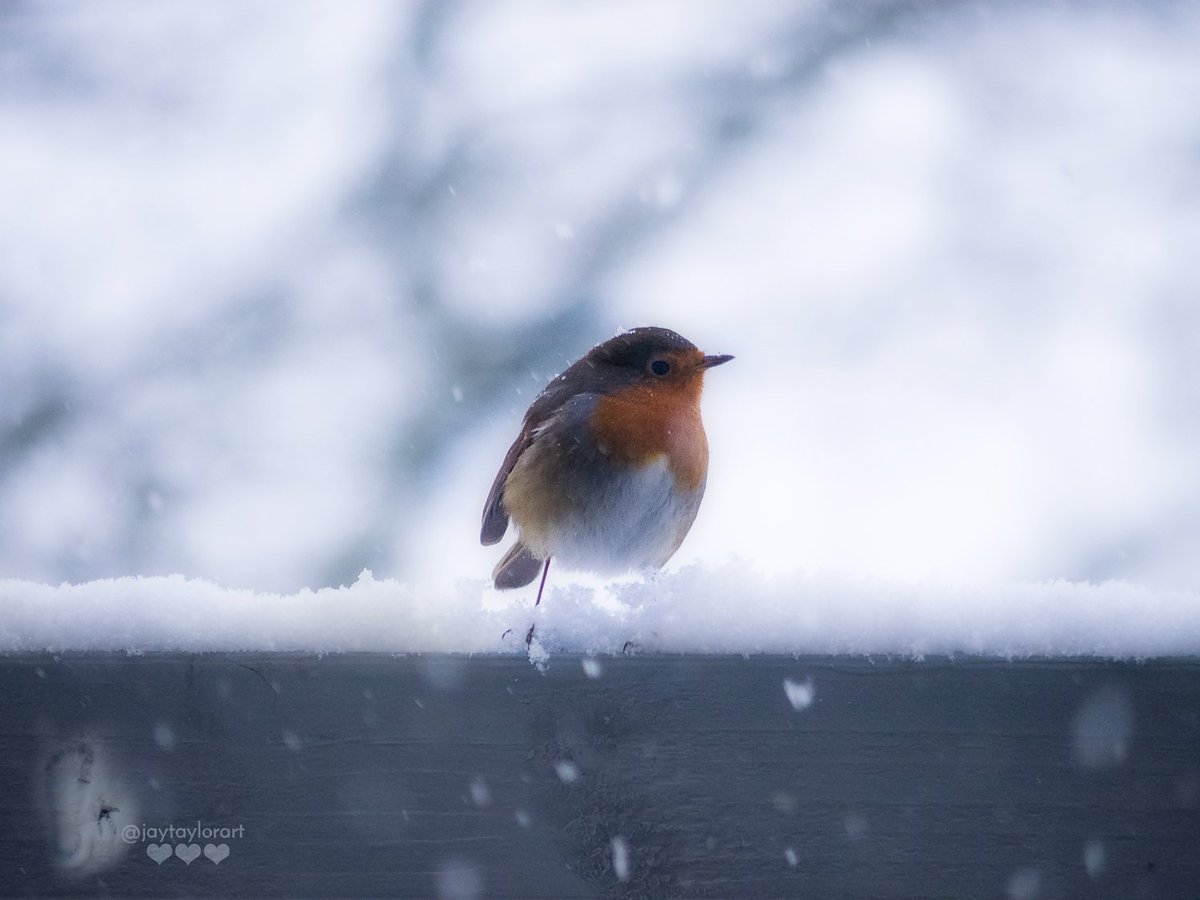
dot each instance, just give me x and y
(660, 367)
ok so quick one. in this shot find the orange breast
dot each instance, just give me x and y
(646, 421)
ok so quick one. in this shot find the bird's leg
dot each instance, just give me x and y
(541, 587)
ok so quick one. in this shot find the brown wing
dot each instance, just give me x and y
(579, 377)
(495, 516)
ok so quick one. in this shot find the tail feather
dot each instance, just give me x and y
(516, 569)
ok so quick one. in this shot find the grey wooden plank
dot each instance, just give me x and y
(371, 775)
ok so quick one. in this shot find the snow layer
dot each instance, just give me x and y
(705, 609)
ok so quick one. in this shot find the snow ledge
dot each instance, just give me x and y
(699, 609)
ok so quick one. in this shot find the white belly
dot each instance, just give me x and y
(634, 520)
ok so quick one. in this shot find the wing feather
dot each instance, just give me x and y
(563, 389)
(495, 516)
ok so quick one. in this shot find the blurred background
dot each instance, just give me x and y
(278, 280)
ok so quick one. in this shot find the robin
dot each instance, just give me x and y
(609, 469)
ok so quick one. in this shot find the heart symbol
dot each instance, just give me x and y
(187, 852)
(158, 852)
(216, 852)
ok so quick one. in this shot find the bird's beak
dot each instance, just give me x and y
(710, 361)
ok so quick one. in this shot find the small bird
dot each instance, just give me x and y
(609, 469)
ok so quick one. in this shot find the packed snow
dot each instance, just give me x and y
(697, 609)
